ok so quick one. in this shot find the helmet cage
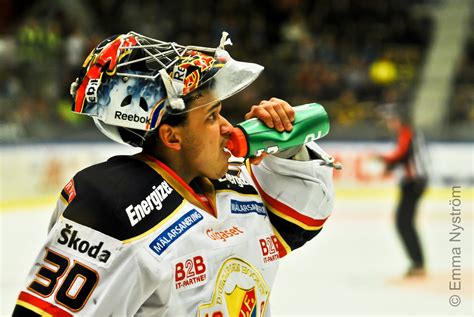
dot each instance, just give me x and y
(133, 81)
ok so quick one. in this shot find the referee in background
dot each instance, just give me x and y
(410, 153)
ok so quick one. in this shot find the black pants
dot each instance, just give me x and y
(411, 191)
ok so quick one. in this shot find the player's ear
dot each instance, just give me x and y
(170, 136)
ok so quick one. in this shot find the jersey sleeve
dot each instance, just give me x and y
(400, 153)
(298, 195)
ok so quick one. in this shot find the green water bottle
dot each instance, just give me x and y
(252, 137)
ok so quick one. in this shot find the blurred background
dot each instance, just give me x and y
(348, 55)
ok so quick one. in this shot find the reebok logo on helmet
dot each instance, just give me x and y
(130, 117)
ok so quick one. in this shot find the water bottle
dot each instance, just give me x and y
(252, 137)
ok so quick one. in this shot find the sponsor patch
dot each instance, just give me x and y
(269, 247)
(70, 190)
(223, 235)
(86, 243)
(175, 230)
(240, 290)
(190, 272)
(236, 180)
(152, 202)
(246, 207)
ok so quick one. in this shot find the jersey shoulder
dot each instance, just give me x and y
(122, 197)
(237, 179)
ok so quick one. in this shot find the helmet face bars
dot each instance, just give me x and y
(131, 82)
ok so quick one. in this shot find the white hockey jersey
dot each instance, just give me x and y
(130, 238)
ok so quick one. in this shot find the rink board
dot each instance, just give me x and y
(34, 173)
(353, 267)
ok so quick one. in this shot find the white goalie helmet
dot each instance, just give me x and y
(129, 83)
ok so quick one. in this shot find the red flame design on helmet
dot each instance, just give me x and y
(200, 63)
(101, 60)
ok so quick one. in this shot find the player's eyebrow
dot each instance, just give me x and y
(214, 106)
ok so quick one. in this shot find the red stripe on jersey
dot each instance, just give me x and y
(207, 206)
(43, 305)
(287, 210)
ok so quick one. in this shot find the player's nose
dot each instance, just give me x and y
(226, 127)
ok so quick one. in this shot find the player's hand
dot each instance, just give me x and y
(275, 113)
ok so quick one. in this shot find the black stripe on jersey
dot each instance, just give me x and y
(231, 182)
(293, 235)
(21, 311)
(104, 193)
(65, 195)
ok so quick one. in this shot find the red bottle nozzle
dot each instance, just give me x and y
(237, 144)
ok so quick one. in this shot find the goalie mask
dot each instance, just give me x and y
(130, 83)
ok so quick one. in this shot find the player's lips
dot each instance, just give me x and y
(224, 143)
(224, 147)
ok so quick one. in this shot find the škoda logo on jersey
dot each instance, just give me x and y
(190, 272)
(240, 290)
(97, 248)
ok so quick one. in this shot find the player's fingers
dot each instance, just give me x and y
(261, 113)
(275, 113)
(290, 112)
(251, 113)
(286, 122)
(275, 117)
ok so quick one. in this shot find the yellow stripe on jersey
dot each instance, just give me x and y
(291, 219)
(35, 309)
(282, 241)
(63, 199)
(237, 193)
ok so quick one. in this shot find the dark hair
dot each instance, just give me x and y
(175, 120)
(171, 119)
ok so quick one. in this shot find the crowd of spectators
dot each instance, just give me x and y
(348, 55)
(462, 95)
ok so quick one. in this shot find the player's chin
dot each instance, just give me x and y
(222, 166)
(222, 170)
